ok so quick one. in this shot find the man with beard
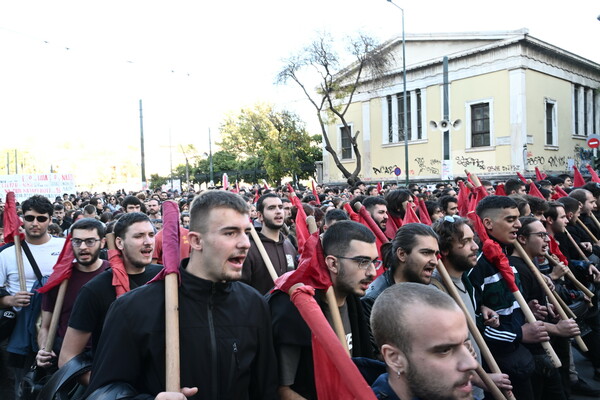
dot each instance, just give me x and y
(153, 209)
(458, 252)
(422, 336)
(226, 346)
(280, 250)
(377, 207)
(351, 261)
(410, 257)
(134, 236)
(87, 240)
(45, 249)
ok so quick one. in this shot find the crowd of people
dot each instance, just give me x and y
(245, 251)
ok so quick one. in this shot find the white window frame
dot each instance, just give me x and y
(554, 122)
(339, 141)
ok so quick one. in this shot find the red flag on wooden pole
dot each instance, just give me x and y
(534, 191)
(595, 177)
(11, 220)
(578, 180)
(62, 269)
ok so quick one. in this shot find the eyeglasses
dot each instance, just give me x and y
(364, 263)
(541, 235)
(90, 242)
(31, 218)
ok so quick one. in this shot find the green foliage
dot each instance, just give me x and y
(275, 140)
(156, 181)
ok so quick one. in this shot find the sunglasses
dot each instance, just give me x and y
(40, 218)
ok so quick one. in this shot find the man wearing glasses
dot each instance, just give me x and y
(351, 260)
(87, 241)
(37, 213)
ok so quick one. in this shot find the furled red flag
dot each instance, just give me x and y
(379, 187)
(469, 179)
(336, 375)
(595, 177)
(478, 193)
(463, 198)
(267, 186)
(555, 249)
(236, 188)
(225, 181)
(410, 216)
(11, 220)
(534, 191)
(120, 279)
(62, 269)
(522, 178)
(500, 190)
(539, 176)
(559, 193)
(424, 215)
(368, 221)
(391, 227)
(170, 241)
(578, 180)
(302, 233)
(314, 191)
(256, 197)
(353, 215)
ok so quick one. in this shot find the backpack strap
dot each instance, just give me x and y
(31, 259)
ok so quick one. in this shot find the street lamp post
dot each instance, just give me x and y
(404, 106)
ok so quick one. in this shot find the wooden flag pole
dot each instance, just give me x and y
(263, 253)
(546, 289)
(58, 305)
(570, 275)
(593, 217)
(485, 351)
(336, 318)
(172, 350)
(20, 267)
(587, 230)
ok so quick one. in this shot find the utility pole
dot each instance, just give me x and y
(142, 147)
(16, 163)
(212, 178)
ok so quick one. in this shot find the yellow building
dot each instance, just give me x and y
(515, 101)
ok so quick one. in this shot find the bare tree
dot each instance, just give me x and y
(337, 88)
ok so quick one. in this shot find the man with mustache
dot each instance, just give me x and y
(135, 238)
(87, 241)
(351, 259)
(280, 250)
(377, 207)
(422, 336)
(226, 347)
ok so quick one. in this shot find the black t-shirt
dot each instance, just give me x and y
(95, 298)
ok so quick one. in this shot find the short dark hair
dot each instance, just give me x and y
(389, 322)
(39, 204)
(204, 203)
(490, 203)
(570, 204)
(593, 187)
(395, 198)
(579, 194)
(512, 185)
(126, 220)
(90, 209)
(536, 204)
(89, 224)
(371, 201)
(335, 215)
(406, 239)
(445, 200)
(552, 211)
(449, 231)
(336, 240)
(58, 207)
(525, 222)
(131, 200)
(260, 207)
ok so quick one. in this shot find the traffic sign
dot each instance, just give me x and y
(398, 171)
(593, 141)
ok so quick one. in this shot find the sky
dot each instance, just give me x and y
(72, 72)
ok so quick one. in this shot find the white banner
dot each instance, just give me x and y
(26, 185)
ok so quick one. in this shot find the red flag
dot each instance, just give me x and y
(336, 376)
(225, 181)
(62, 269)
(379, 187)
(302, 233)
(170, 241)
(522, 178)
(392, 227)
(539, 175)
(424, 215)
(559, 192)
(578, 180)
(410, 216)
(120, 279)
(463, 198)
(534, 191)
(314, 191)
(265, 184)
(469, 179)
(500, 190)
(256, 197)
(236, 188)
(595, 177)
(555, 249)
(353, 216)
(11, 220)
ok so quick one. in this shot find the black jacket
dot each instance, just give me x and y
(225, 340)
